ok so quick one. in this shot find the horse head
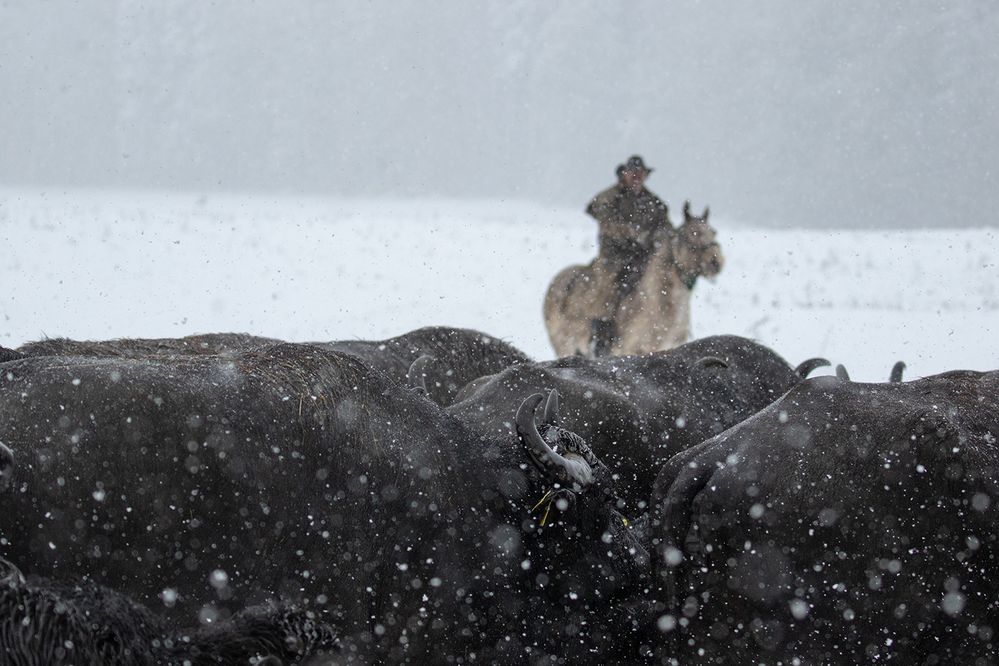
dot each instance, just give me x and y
(696, 251)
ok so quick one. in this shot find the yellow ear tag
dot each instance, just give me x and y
(545, 517)
(542, 500)
(624, 520)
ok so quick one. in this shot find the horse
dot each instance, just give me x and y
(655, 315)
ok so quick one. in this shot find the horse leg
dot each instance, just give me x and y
(606, 332)
(603, 333)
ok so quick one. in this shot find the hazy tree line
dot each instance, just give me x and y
(782, 112)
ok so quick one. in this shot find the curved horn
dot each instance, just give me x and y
(806, 368)
(896, 372)
(548, 461)
(551, 408)
(707, 211)
(416, 376)
(10, 574)
(711, 362)
(686, 208)
(6, 467)
(270, 660)
(842, 373)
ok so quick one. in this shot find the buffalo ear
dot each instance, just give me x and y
(551, 408)
(564, 500)
(686, 208)
(841, 372)
(707, 211)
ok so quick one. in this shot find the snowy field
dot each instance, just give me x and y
(97, 265)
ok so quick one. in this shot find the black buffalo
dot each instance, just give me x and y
(201, 344)
(638, 411)
(55, 623)
(845, 523)
(200, 484)
(456, 355)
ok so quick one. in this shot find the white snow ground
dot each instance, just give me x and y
(97, 265)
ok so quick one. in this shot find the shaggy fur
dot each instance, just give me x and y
(458, 355)
(49, 623)
(208, 343)
(301, 472)
(8, 355)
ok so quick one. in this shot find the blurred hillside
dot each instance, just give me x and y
(783, 112)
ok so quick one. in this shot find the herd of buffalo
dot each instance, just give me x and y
(439, 497)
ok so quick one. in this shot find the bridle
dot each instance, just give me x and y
(687, 235)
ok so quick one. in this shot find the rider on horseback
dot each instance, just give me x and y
(629, 216)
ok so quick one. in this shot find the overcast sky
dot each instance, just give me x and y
(785, 112)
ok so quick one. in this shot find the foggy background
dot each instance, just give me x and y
(782, 112)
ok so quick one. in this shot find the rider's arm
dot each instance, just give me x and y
(601, 207)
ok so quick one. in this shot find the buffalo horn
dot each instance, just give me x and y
(416, 376)
(712, 362)
(551, 408)
(548, 461)
(10, 574)
(842, 373)
(896, 372)
(6, 467)
(806, 368)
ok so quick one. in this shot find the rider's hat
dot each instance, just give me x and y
(634, 163)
